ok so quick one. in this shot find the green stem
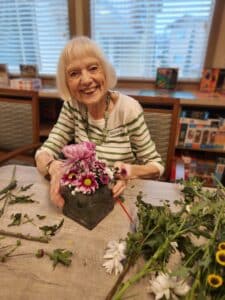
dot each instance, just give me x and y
(41, 239)
(2, 210)
(193, 255)
(143, 272)
(190, 295)
(132, 260)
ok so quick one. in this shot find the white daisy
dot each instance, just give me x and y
(114, 255)
(160, 286)
(170, 287)
(181, 288)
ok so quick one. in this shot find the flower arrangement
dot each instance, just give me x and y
(85, 185)
(194, 233)
(84, 173)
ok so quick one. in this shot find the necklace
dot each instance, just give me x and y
(106, 117)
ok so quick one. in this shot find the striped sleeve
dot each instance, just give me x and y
(62, 132)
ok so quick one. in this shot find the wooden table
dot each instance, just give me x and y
(26, 277)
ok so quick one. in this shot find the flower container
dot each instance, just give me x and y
(87, 209)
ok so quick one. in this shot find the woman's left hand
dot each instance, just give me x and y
(124, 170)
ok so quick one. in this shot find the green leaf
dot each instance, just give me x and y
(61, 256)
(26, 187)
(21, 199)
(16, 219)
(40, 217)
(51, 230)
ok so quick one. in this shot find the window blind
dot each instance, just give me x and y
(33, 32)
(138, 36)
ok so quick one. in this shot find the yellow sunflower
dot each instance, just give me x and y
(221, 246)
(214, 280)
(220, 257)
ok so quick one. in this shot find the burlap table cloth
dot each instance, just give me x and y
(27, 277)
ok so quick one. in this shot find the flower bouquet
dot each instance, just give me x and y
(85, 185)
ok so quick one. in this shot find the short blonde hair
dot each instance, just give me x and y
(77, 48)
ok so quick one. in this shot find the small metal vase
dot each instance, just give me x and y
(87, 209)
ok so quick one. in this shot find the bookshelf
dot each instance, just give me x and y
(200, 141)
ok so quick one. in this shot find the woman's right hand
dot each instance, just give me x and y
(55, 171)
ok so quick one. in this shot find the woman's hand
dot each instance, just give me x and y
(122, 174)
(55, 171)
(124, 171)
(132, 171)
(119, 187)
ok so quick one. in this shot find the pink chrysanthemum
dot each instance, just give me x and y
(69, 178)
(83, 172)
(87, 183)
(82, 151)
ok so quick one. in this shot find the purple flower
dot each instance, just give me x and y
(99, 165)
(104, 179)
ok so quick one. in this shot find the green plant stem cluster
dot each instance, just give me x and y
(200, 215)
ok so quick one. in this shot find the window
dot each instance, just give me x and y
(33, 32)
(138, 36)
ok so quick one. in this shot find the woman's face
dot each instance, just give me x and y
(86, 80)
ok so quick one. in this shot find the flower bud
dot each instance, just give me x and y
(40, 253)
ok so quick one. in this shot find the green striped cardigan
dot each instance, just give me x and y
(128, 138)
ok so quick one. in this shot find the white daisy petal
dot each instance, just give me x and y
(181, 288)
(160, 286)
(114, 255)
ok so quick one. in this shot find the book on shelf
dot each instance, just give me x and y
(189, 137)
(190, 131)
(166, 78)
(195, 114)
(28, 79)
(182, 130)
(220, 87)
(201, 134)
(213, 79)
(26, 83)
(220, 168)
(28, 71)
(209, 79)
(4, 75)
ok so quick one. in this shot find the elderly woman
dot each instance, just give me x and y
(93, 112)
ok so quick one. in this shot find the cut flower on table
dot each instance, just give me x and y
(168, 286)
(195, 231)
(114, 257)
